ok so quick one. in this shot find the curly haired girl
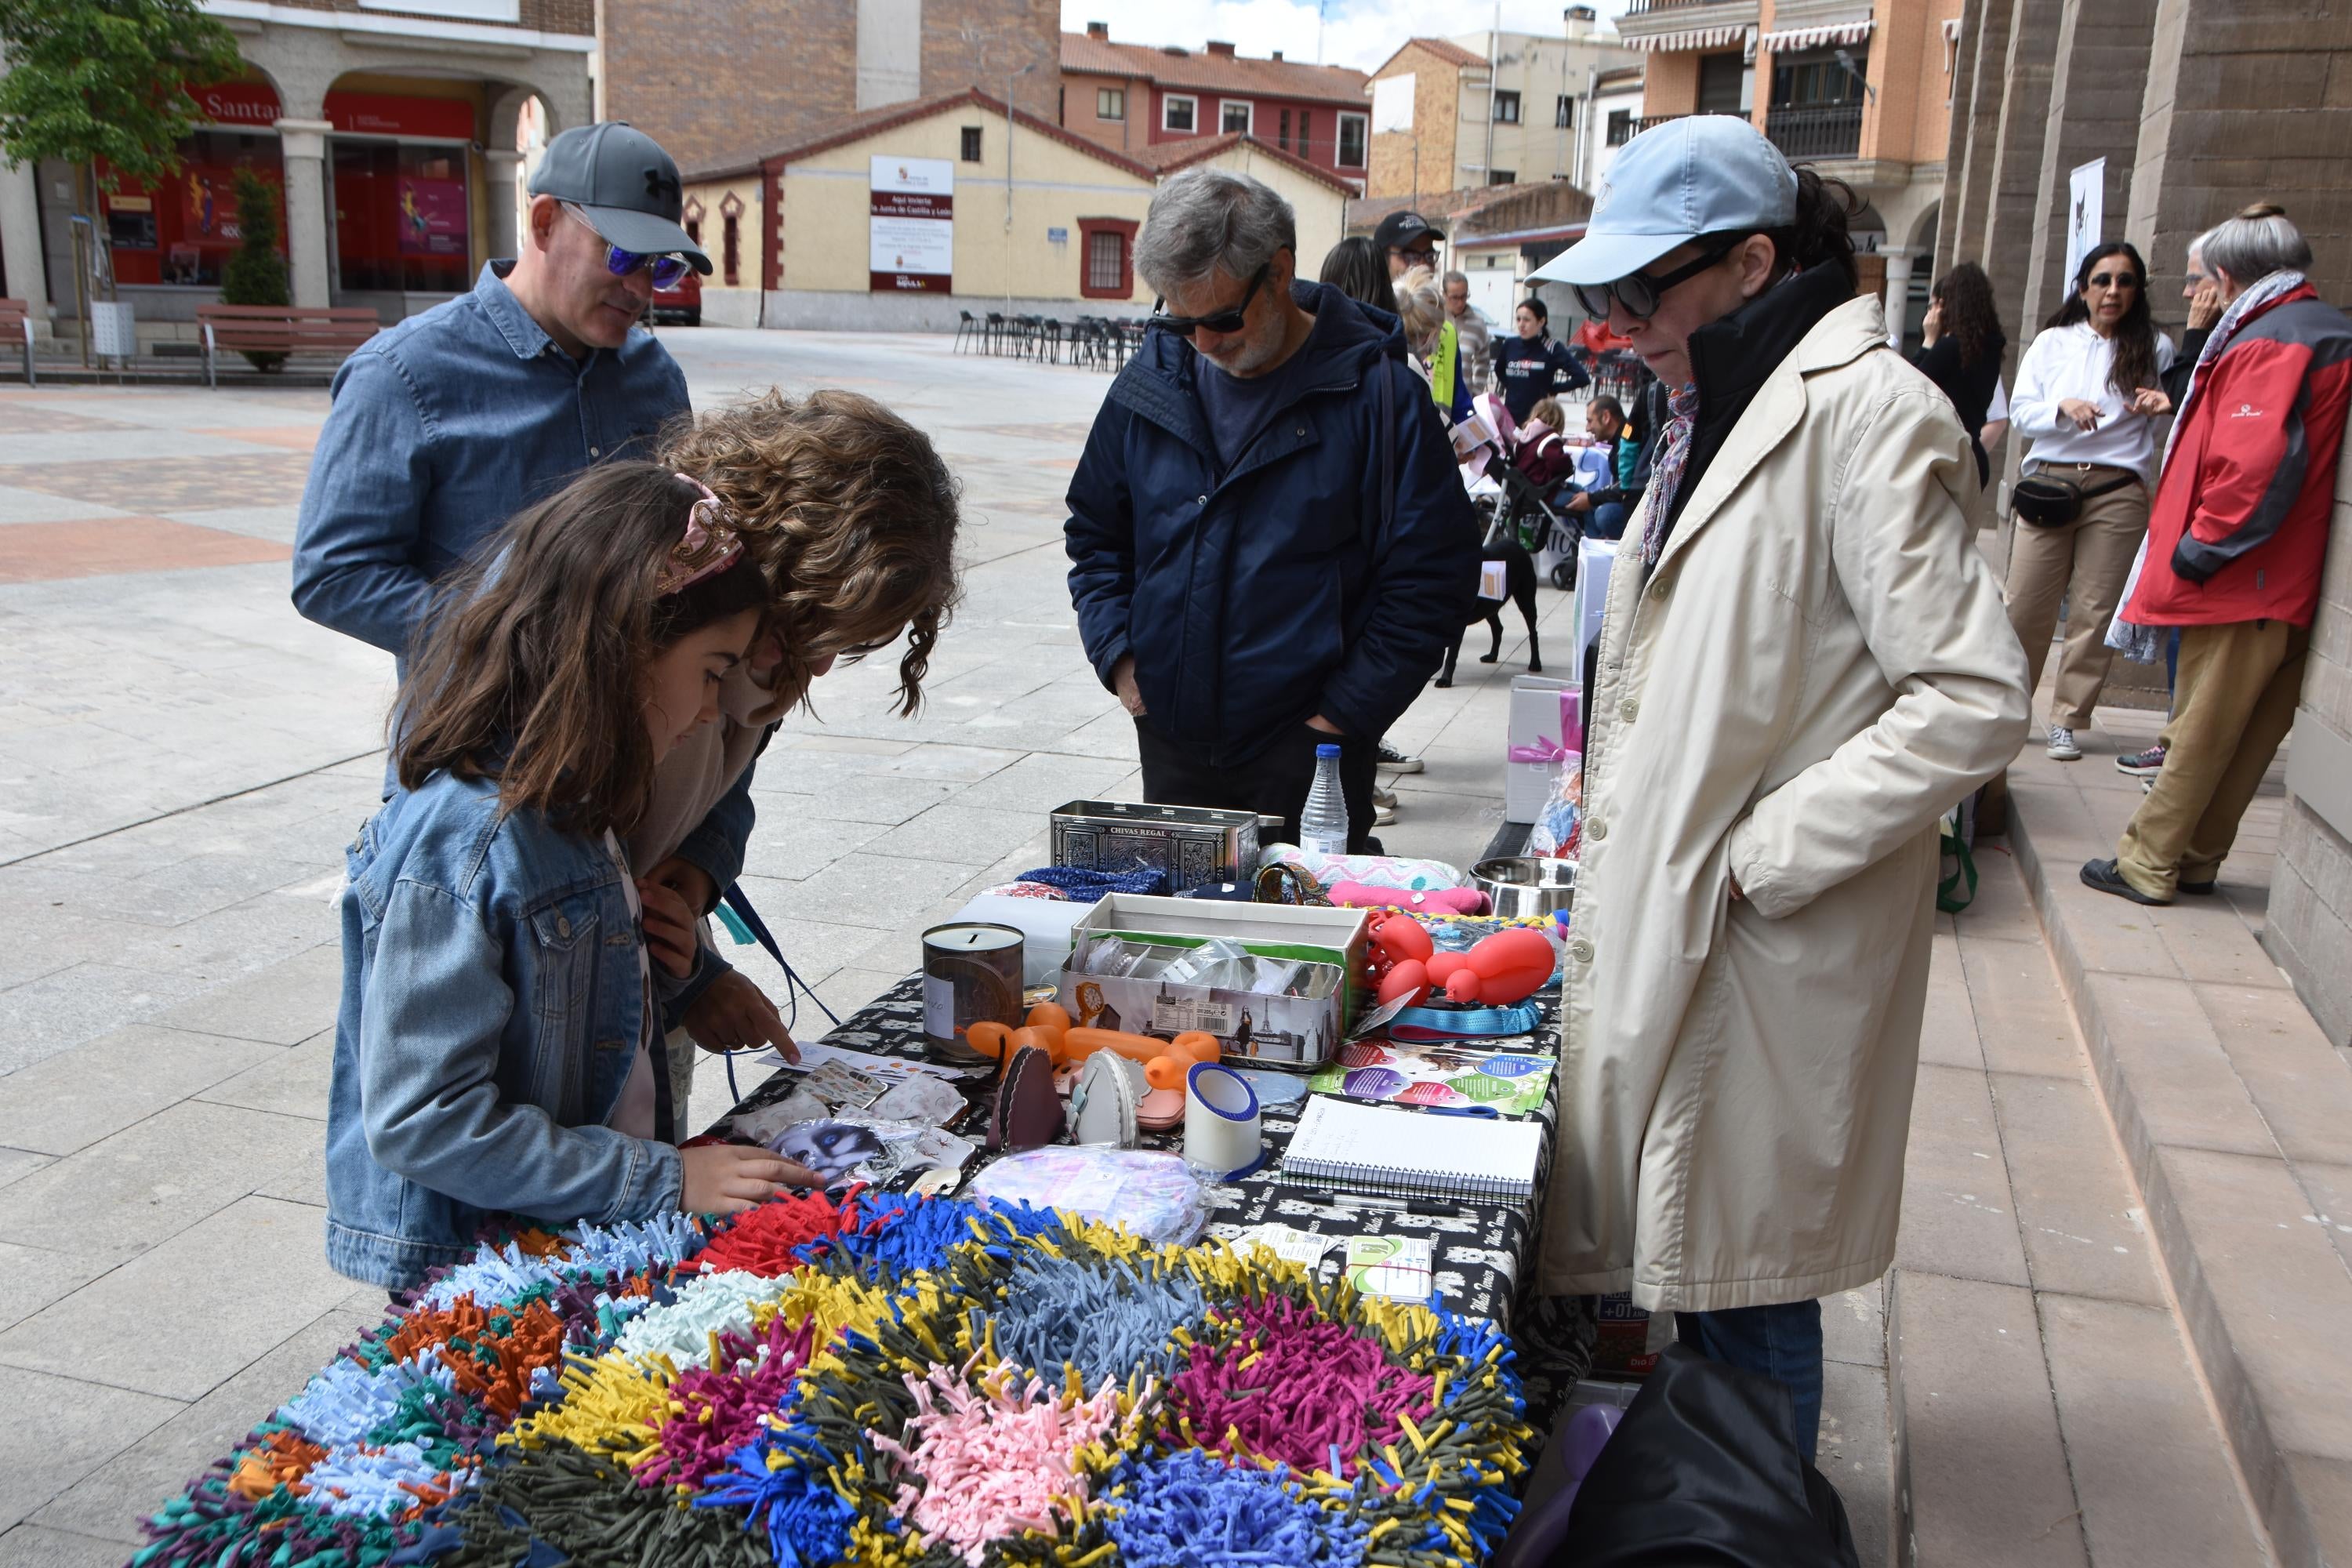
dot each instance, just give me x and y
(852, 516)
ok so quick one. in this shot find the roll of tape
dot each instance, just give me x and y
(1221, 1120)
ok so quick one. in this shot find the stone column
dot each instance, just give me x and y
(505, 195)
(303, 144)
(2095, 90)
(2239, 109)
(20, 237)
(1898, 292)
(1956, 145)
(1968, 177)
(2016, 189)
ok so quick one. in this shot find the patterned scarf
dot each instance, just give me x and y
(2143, 644)
(1666, 468)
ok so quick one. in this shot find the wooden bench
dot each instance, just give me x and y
(332, 330)
(16, 322)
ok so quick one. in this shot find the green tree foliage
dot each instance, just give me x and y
(255, 274)
(92, 79)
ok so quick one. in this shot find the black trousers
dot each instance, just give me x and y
(1273, 783)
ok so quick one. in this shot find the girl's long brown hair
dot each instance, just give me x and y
(1966, 294)
(850, 513)
(532, 667)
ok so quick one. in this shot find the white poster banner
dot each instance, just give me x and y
(911, 224)
(2086, 195)
(1393, 103)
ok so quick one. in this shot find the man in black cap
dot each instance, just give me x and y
(451, 422)
(1408, 240)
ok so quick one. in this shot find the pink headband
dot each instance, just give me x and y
(710, 545)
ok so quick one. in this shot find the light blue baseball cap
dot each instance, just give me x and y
(1704, 173)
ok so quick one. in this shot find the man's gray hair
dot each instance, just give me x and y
(1206, 220)
(1451, 279)
(2251, 246)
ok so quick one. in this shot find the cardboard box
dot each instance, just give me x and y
(1294, 1033)
(1543, 722)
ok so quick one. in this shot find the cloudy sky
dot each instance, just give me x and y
(1360, 32)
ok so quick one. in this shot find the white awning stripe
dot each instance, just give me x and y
(1688, 38)
(1815, 38)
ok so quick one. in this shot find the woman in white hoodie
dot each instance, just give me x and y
(2083, 402)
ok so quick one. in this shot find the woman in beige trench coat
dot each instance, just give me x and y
(1804, 663)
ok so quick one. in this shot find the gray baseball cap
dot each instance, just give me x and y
(1704, 173)
(626, 184)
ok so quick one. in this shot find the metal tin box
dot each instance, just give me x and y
(1193, 844)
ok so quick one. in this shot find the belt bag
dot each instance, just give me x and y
(2047, 501)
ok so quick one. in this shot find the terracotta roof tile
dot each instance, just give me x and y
(1167, 157)
(1198, 70)
(1452, 53)
(871, 121)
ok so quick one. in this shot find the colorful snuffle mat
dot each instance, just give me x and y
(884, 1381)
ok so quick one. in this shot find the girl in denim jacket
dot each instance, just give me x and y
(498, 1047)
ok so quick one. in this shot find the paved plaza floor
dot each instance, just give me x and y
(182, 760)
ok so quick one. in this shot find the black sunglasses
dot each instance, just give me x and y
(1640, 293)
(1222, 321)
(2113, 281)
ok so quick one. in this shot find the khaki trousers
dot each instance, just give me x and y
(2084, 563)
(2232, 704)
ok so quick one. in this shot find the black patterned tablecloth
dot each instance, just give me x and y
(1479, 1252)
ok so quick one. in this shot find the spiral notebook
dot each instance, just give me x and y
(1411, 1154)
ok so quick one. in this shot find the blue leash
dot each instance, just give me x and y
(734, 903)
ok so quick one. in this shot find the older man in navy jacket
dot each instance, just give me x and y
(1271, 546)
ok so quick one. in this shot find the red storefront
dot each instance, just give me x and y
(398, 182)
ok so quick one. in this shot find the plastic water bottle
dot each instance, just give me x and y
(1323, 825)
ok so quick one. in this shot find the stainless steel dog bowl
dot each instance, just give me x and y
(1522, 885)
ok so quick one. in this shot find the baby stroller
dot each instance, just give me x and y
(1523, 514)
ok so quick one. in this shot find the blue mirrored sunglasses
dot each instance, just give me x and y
(666, 267)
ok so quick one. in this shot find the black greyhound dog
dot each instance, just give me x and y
(1519, 581)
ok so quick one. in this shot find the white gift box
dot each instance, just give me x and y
(1542, 728)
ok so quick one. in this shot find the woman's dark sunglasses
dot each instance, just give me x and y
(2113, 281)
(666, 270)
(1222, 322)
(1640, 293)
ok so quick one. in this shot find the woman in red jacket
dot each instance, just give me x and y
(2236, 537)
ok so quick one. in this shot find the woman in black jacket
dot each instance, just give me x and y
(1961, 347)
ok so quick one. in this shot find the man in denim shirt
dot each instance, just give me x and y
(450, 423)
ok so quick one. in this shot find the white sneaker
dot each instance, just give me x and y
(2062, 748)
(1384, 814)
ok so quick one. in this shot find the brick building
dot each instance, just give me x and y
(1489, 108)
(395, 141)
(1133, 97)
(1861, 89)
(715, 79)
(2198, 107)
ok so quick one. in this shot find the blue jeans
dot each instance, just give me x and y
(1606, 521)
(1783, 1342)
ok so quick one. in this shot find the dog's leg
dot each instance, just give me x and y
(1494, 621)
(1452, 652)
(1524, 592)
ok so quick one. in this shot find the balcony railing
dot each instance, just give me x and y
(1833, 130)
(1639, 6)
(1624, 131)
